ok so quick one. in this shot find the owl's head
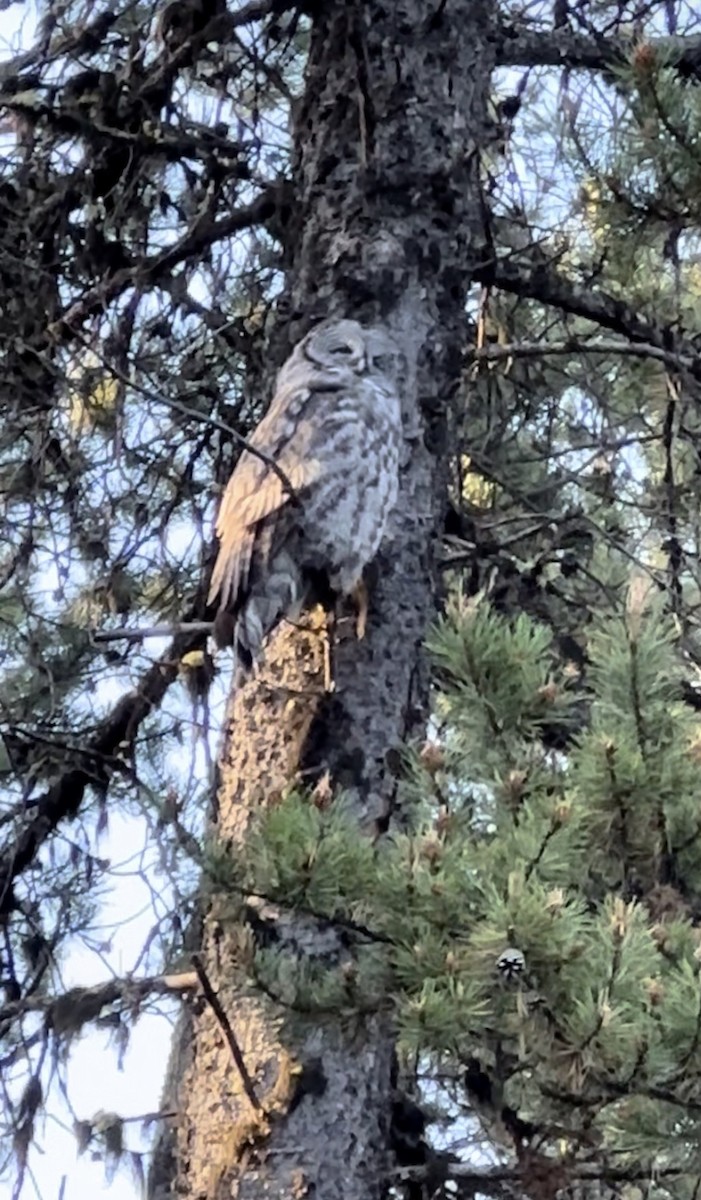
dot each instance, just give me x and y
(347, 347)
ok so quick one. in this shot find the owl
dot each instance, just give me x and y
(334, 433)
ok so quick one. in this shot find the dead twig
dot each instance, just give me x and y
(139, 635)
(213, 1001)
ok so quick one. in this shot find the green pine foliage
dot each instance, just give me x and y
(584, 861)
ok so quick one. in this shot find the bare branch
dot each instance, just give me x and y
(204, 419)
(74, 43)
(538, 281)
(215, 423)
(582, 346)
(213, 1001)
(485, 1178)
(80, 1005)
(154, 270)
(154, 631)
(519, 47)
(83, 37)
(64, 797)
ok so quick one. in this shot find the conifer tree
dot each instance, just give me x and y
(451, 905)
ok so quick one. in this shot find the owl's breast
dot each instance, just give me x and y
(346, 516)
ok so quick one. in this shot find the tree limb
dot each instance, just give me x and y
(80, 1005)
(116, 734)
(562, 48)
(483, 1178)
(225, 1025)
(80, 39)
(151, 631)
(582, 346)
(153, 270)
(538, 281)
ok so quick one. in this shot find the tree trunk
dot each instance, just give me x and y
(387, 224)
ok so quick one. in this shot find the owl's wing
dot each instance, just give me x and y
(256, 497)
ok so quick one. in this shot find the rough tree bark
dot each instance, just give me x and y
(386, 226)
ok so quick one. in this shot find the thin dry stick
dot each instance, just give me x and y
(138, 635)
(570, 346)
(212, 1000)
(203, 419)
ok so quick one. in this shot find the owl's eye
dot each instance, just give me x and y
(343, 349)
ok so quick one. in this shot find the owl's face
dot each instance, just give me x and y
(345, 346)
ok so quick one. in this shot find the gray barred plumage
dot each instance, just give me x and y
(334, 431)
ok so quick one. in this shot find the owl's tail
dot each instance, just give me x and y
(279, 594)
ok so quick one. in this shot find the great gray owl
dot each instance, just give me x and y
(334, 429)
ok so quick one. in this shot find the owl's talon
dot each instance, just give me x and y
(361, 600)
(329, 685)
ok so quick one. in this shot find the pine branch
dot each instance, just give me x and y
(520, 47)
(512, 590)
(538, 281)
(490, 1179)
(155, 270)
(69, 1012)
(152, 631)
(583, 346)
(62, 800)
